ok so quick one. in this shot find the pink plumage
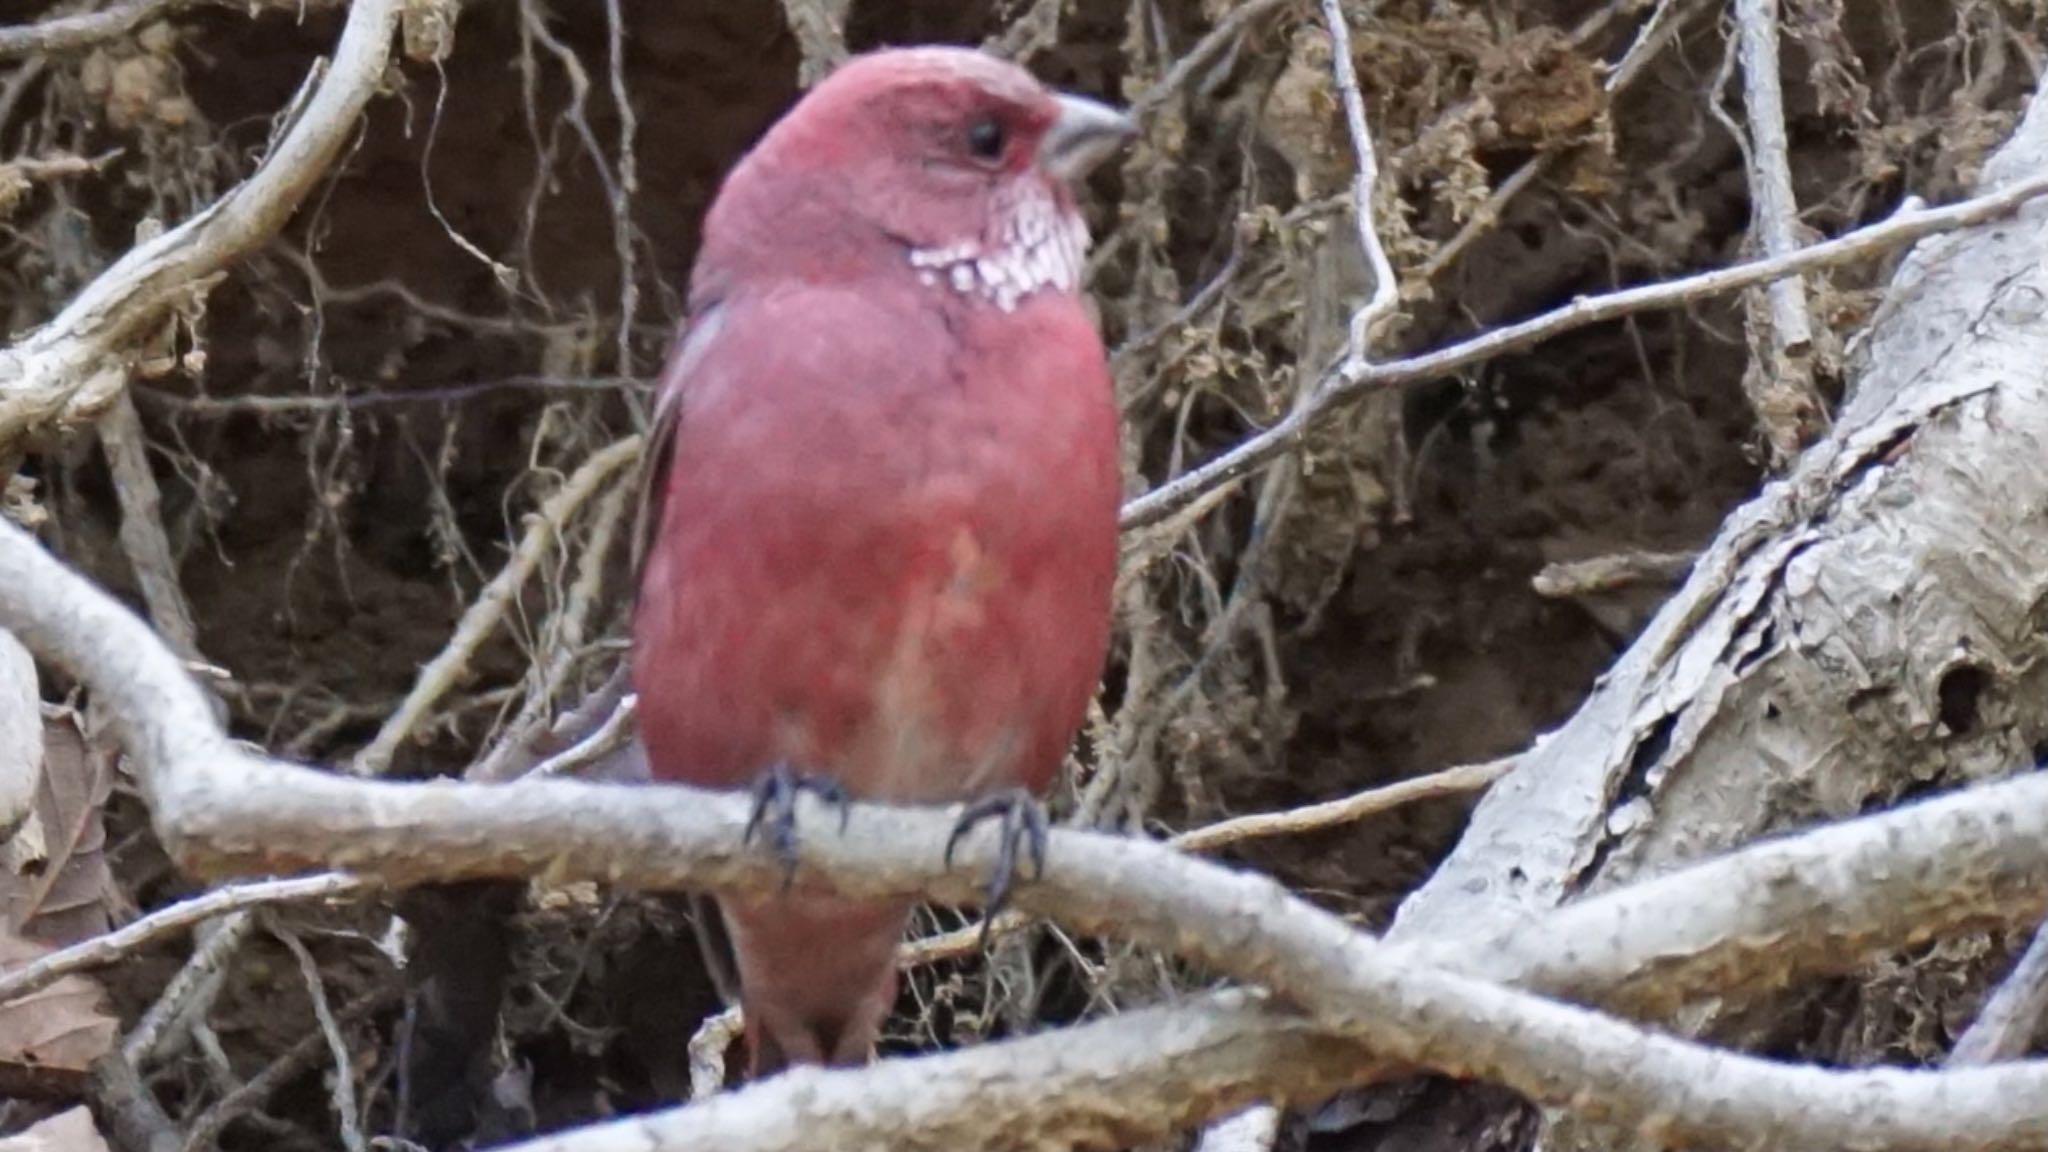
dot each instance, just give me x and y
(881, 530)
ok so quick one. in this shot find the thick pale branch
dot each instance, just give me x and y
(71, 367)
(86, 29)
(1978, 856)
(1123, 1081)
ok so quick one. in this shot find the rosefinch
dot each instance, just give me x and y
(880, 533)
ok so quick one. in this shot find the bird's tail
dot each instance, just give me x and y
(817, 976)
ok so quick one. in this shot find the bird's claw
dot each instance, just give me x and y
(774, 813)
(1024, 830)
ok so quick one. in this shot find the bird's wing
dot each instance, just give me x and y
(654, 466)
(697, 337)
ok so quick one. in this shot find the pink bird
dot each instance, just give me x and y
(880, 533)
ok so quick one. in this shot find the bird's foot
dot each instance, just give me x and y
(1024, 831)
(774, 815)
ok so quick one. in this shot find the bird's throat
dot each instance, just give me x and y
(1034, 242)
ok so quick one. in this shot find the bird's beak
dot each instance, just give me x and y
(1085, 133)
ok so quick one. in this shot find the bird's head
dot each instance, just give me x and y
(946, 164)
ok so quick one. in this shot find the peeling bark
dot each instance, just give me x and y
(1869, 628)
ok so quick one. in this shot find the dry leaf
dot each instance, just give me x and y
(72, 1130)
(59, 893)
(49, 1038)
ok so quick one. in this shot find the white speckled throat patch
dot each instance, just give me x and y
(1034, 244)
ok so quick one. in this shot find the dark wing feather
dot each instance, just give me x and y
(705, 922)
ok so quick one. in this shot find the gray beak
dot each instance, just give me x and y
(1086, 132)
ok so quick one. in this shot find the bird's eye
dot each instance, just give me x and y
(985, 140)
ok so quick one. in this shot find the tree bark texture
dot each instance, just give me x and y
(1869, 628)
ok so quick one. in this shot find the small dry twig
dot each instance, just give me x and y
(191, 992)
(343, 1087)
(820, 30)
(292, 1063)
(1789, 409)
(707, 1052)
(2011, 1019)
(130, 938)
(1386, 292)
(142, 528)
(87, 29)
(1571, 578)
(491, 604)
(1459, 781)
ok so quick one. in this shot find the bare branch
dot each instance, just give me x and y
(1569, 578)
(1212, 45)
(21, 738)
(1386, 292)
(1788, 407)
(1971, 858)
(965, 941)
(1457, 781)
(342, 1084)
(87, 29)
(69, 369)
(1355, 378)
(129, 938)
(142, 527)
(820, 30)
(1122, 1081)
(291, 1064)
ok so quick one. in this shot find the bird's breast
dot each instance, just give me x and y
(902, 582)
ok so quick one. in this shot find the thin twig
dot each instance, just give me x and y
(1355, 379)
(132, 1115)
(1788, 407)
(191, 991)
(614, 734)
(342, 1090)
(88, 29)
(142, 528)
(130, 938)
(484, 614)
(1364, 185)
(820, 30)
(292, 1063)
(1215, 43)
(2011, 1019)
(1459, 781)
(1570, 578)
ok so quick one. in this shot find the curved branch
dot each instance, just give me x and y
(69, 369)
(1979, 856)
